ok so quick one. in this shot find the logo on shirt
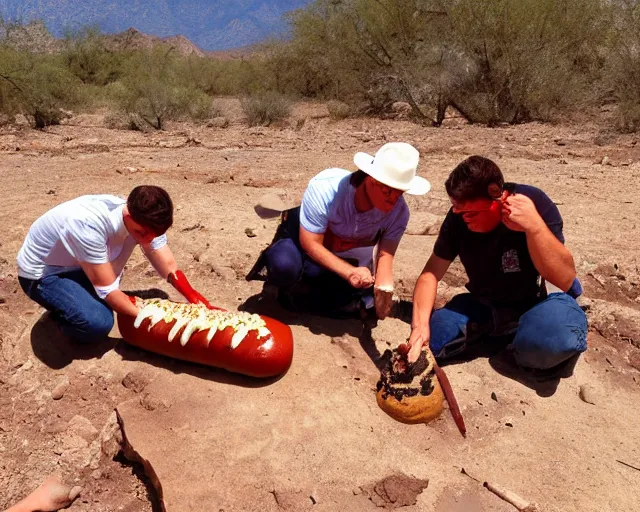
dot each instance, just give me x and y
(510, 261)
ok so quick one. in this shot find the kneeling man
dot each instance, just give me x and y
(509, 239)
(72, 259)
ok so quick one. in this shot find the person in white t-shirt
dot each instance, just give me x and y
(341, 243)
(73, 256)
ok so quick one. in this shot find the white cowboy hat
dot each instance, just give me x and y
(395, 165)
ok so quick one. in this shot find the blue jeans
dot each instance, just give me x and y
(73, 303)
(546, 334)
(288, 265)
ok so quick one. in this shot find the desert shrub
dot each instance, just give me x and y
(265, 108)
(37, 86)
(87, 57)
(115, 120)
(494, 60)
(627, 118)
(154, 90)
(338, 110)
(623, 67)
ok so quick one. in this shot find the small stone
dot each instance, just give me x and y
(494, 396)
(151, 403)
(563, 161)
(587, 394)
(250, 232)
(83, 427)
(61, 388)
(135, 381)
(605, 161)
(96, 475)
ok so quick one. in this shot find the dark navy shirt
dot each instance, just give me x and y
(498, 263)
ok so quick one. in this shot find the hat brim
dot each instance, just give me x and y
(418, 186)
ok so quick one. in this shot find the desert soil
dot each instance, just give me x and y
(315, 439)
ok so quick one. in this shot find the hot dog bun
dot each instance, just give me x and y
(238, 342)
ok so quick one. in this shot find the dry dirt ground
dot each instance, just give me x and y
(315, 439)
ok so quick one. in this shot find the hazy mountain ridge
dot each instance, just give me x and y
(211, 25)
(35, 37)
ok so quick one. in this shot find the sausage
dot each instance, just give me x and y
(252, 345)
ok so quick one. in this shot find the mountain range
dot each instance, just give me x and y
(210, 24)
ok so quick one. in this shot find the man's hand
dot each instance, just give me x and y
(420, 337)
(180, 282)
(360, 277)
(383, 300)
(520, 214)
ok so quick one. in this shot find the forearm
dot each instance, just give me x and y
(551, 258)
(120, 303)
(324, 257)
(384, 271)
(424, 298)
(163, 261)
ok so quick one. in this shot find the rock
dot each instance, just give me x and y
(494, 396)
(218, 122)
(605, 161)
(613, 320)
(131, 170)
(396, 491)
(108, 443)
(21, 120)
(587, 394)
(151, 403)
(135, 381)
(250, 232)
(111, 437)
(61, 388)
(82, 427)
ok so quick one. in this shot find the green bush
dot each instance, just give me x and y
(87, 57)
(154, 90)
(37, 86)
(265, 108)
(494, 60)
(623, 67)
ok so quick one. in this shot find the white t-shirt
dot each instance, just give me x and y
(328, 207)
(86, 229)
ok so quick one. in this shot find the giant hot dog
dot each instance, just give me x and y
(238, 342)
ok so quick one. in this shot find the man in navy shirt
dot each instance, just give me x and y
(510, 242)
